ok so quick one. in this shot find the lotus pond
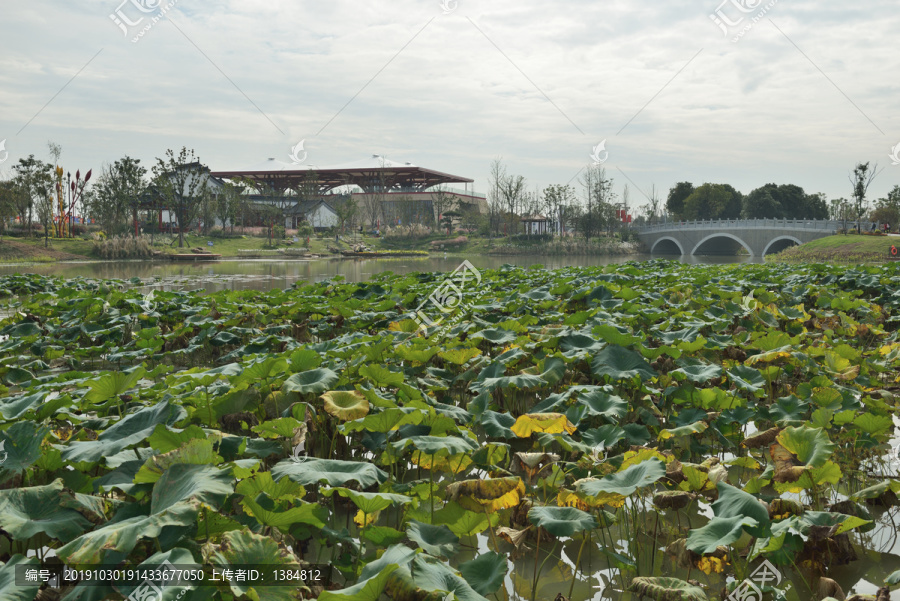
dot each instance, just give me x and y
(646, 429)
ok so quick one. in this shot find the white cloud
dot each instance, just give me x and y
(744, 113)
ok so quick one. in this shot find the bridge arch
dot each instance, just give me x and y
(781, 247)
(669, 241)
(722, 235)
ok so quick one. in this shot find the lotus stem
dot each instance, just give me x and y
(578, 563)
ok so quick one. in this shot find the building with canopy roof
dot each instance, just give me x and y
(403, 192)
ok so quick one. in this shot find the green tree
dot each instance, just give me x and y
(180, 181)
(118, 192)
(763, 203)
(34, 179)
(556, 199)
(861, 178)
(887, 210)
(713, 201)
(598, 212)
(677, 197)
(8, 203)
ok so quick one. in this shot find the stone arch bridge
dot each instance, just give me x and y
(758, 237)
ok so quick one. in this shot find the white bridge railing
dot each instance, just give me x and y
(730, 224)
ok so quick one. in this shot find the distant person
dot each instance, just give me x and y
(873, 227)
(886, 228)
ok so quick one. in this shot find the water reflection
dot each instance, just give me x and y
(268, 274)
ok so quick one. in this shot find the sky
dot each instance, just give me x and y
(780, 91)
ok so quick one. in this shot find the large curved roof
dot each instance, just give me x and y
(369, 174)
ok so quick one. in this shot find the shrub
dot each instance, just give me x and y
(458, 241)
(123, 247)
(416, 230)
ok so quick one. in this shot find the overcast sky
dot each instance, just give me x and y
(806, 93)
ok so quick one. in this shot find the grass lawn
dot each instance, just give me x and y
(841, 249)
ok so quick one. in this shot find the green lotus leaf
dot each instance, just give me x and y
(384, 421)
(9, 590)
(666, 589)
(374, 576)
(603, 437)
(437, 540)
(310, 382)
(304, 360)
(698, 373)
(562, 521)
(602, 404)
(811, 445)
(383, 536)
(244, 547)
(196, 451)
(21, 446)
(267, 369)
(627, 481)
(263, 508)
(132, 429)
(381, 376)
(428, 578)
(438, 445)
(332, 472)
(368, 502)
(26, 512)
(718, 531)
(112, 385)
(734, 502)
(747, 378)
(16, 407)
(178, 557)
(621, 364)
(346, 404)
(495, 336)
(183, 481)
(486, 573)
(614, 335)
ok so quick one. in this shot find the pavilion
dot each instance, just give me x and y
(374, 175)
(406, 192)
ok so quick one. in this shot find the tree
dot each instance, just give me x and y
(180, 180)
(556, 200)
(763, 203)
(652, 207)
(442, 200)
(118, 193)
(861, 179)
(229, 203)
(677, 195)
(8, 202)
(346, 211)
(514, 193)
(887, 210)
(713, 201)
(34, 179)
(598, 212)
(494, 196)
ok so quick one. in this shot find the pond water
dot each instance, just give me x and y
(268, 274)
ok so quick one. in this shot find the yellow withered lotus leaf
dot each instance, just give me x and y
(551, 423)
(445, 463)
(488, 495)
(786, 469)
(568, 498)
(346, 405)
(513, 536)
(604, 498)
